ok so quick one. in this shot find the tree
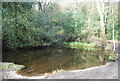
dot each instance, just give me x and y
(42, 4)
(113, 29)
(101, 13)
(102, 24)
(17, 26)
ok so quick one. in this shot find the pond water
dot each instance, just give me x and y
(47, 60)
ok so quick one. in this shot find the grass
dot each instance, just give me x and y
(7, 66)
(80, 45)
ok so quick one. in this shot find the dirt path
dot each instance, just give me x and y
(108, 71)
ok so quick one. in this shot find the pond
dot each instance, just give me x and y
(49, 59)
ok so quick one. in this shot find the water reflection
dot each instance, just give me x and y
(48, 59)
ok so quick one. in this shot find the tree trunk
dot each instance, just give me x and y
(113, 32)
(102, 27)
(101, 13)
(40, 6)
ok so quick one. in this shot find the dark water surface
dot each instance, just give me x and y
(46, 60)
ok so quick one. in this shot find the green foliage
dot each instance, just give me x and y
(24, 26)
(112, 17)
(74, 21)
(111, 57)
(7, 66)
(81, 45)
(18, 30)
(48, 24)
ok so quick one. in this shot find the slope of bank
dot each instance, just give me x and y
(108, 71)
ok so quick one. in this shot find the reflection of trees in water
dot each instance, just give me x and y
(49, 59)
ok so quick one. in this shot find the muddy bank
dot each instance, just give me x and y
(9, 71)
(108, 71)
